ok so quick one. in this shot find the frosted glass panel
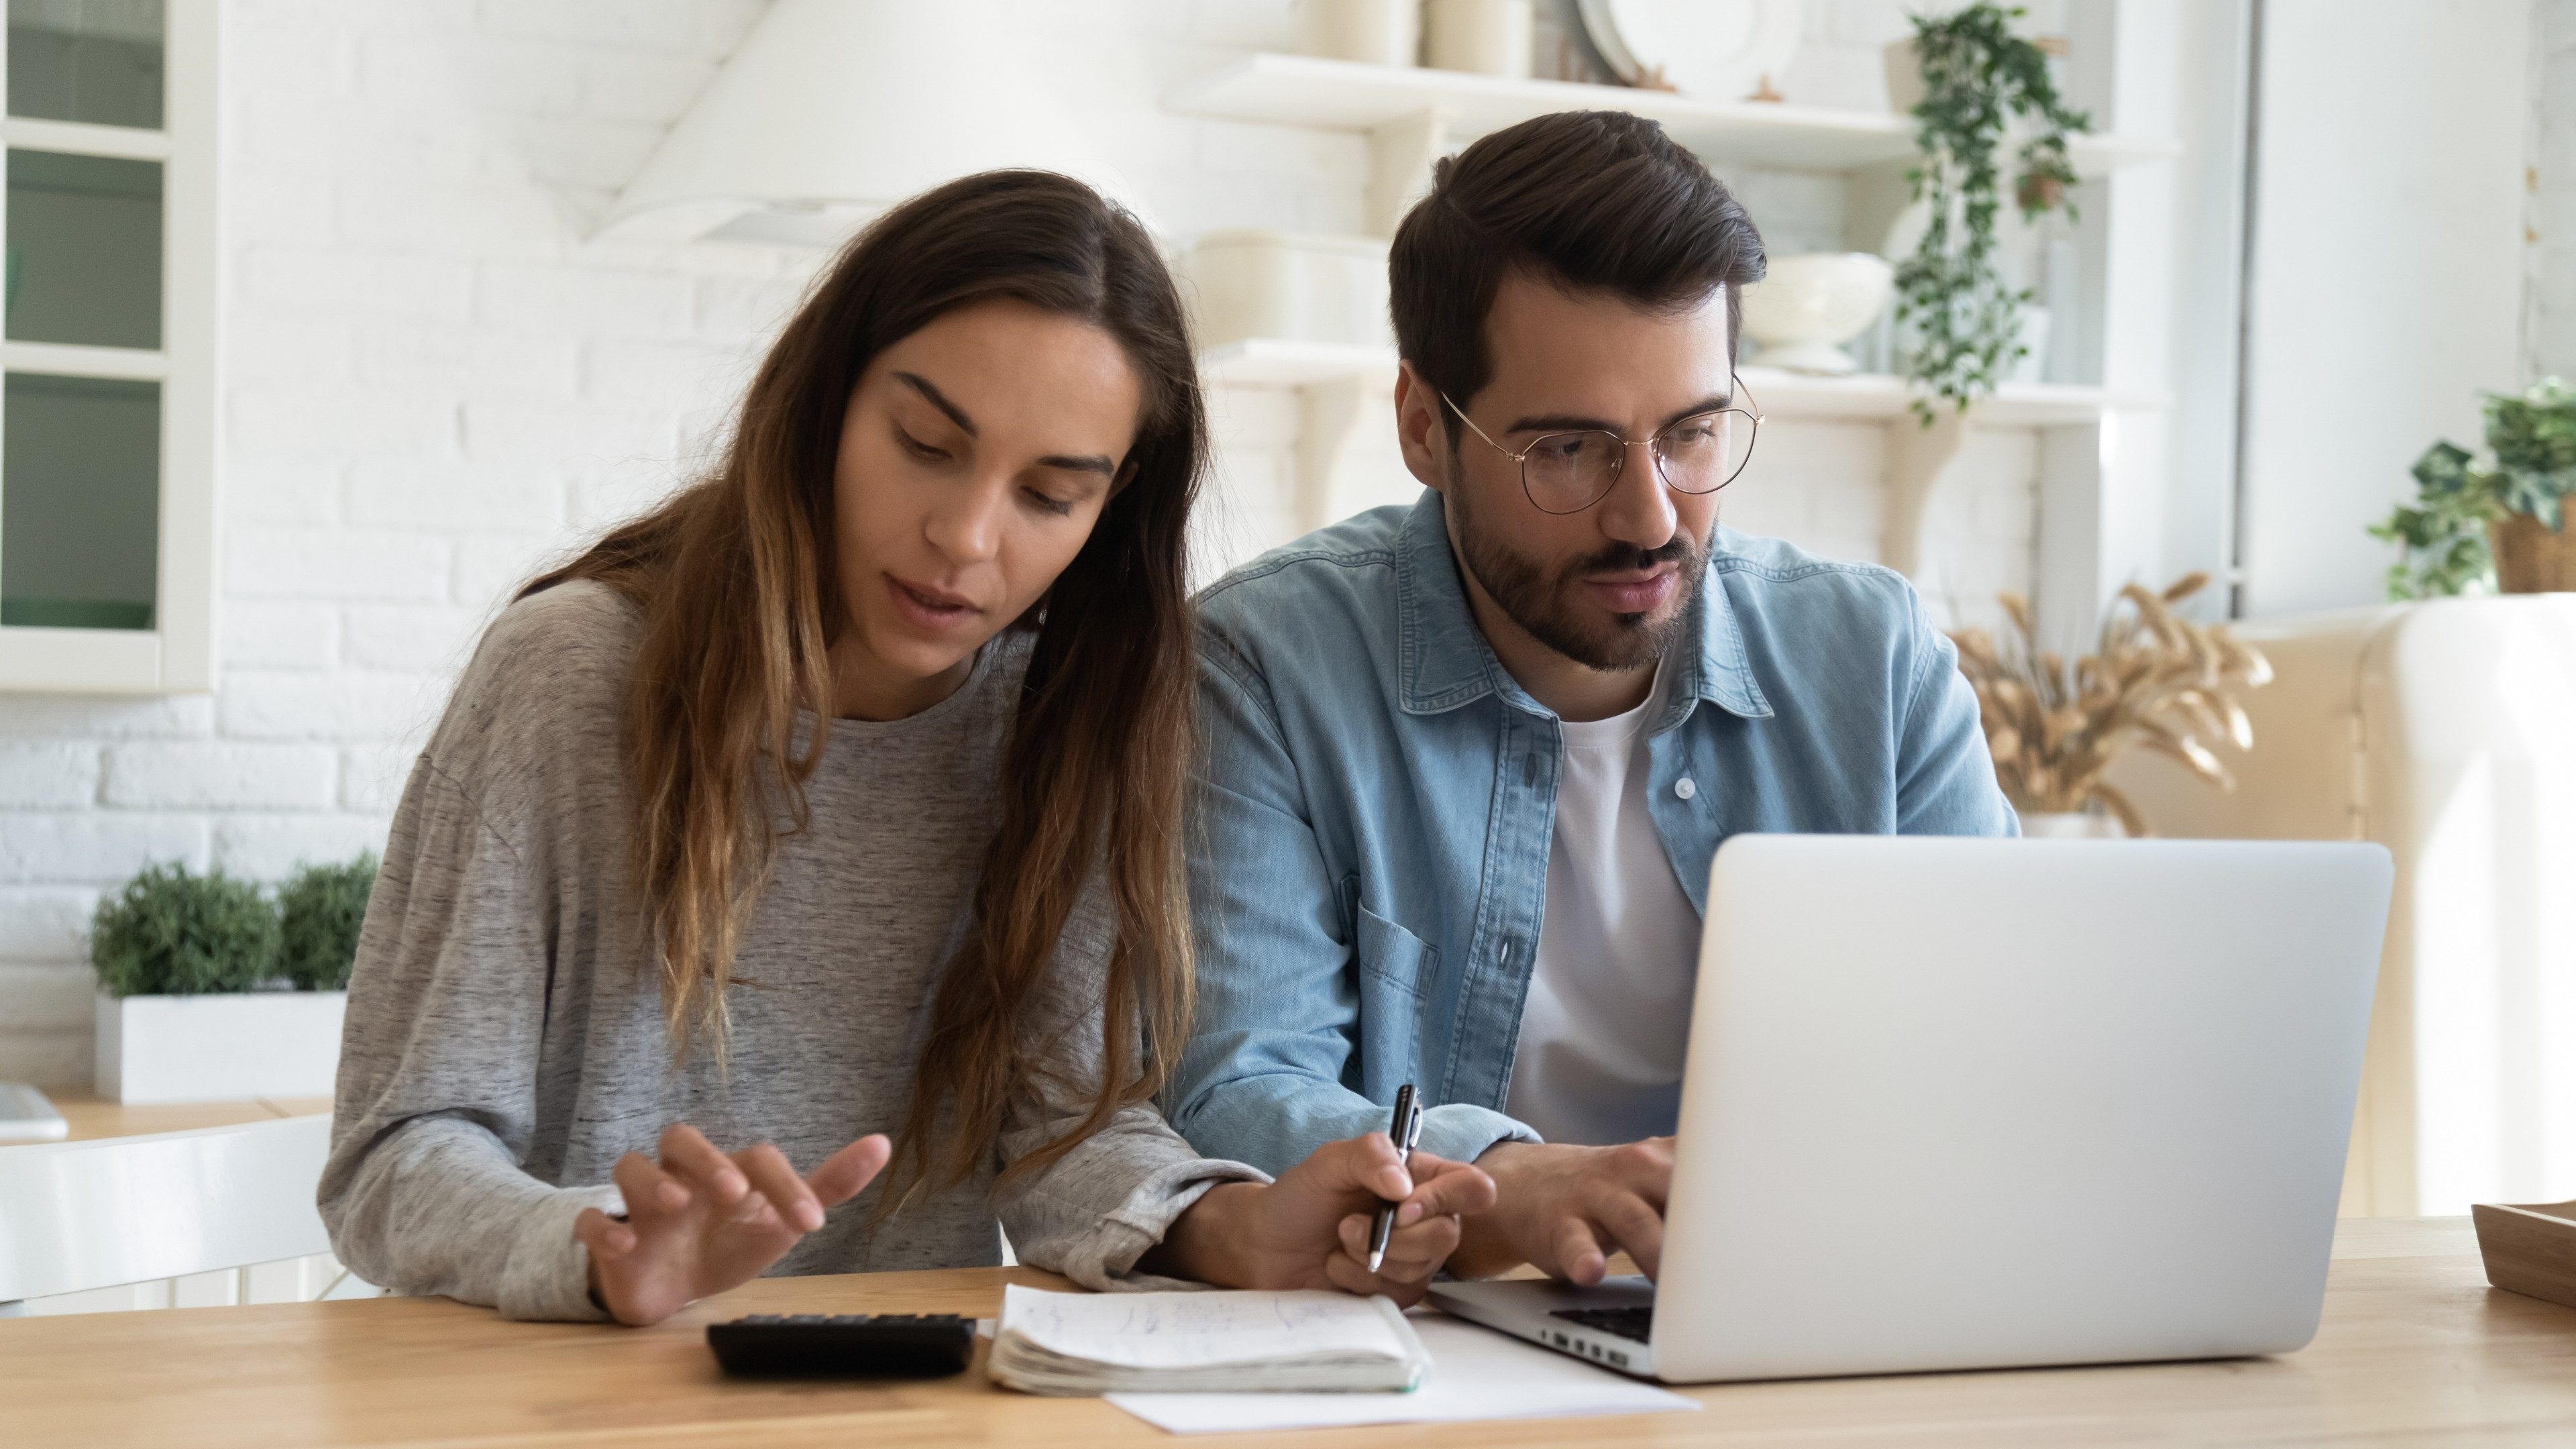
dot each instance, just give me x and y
(80, 502)
(84, 250)
(86, 60)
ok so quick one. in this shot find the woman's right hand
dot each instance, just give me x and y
(700, 1221)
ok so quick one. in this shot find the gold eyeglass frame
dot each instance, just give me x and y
(1752, 412)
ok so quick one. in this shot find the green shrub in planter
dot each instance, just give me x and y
(319, 913)
(173, 933)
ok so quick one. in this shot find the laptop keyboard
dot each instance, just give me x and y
(1637, 1322)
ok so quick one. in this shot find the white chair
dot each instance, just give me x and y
(2445, 731)
(103, 1213)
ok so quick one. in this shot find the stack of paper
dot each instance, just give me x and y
(1085, 1343)
(1476, 1374)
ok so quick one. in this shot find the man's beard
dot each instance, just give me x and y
(1545, 607)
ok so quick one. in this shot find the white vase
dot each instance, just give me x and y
(1376, 32)
(1484, 37)
(218, 1048)
(2070, 825)
(1292, 285)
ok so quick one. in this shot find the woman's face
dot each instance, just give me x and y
(975, 457)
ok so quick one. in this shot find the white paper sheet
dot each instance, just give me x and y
(1476, 1373)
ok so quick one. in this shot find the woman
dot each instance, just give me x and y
(840, 793)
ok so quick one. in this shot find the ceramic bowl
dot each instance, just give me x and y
(1810, 304)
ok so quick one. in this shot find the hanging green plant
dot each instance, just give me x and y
(1977, 76)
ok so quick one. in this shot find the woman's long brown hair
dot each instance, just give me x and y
(742, 602)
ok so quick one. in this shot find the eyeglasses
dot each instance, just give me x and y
(1568, 472)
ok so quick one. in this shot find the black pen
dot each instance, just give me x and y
(1404, 1131)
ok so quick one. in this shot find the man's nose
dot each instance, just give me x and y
(1639, 509)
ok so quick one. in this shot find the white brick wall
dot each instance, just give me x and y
(433, 381)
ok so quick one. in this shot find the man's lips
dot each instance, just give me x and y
(1625, 593)
(928, 606)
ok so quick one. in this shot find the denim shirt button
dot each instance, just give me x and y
(1684, 789)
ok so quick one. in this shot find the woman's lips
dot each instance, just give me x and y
(928, 608)
(1633, 596)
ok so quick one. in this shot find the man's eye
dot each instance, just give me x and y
(1559, 449)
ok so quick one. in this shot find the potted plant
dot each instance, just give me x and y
(1974, 76)
(2159, 681)
(2495, 524)
(209, 991)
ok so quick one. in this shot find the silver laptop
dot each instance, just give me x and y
(1958, 1104)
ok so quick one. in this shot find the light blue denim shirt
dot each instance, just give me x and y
(1371, 819)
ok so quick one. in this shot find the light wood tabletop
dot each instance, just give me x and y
(2416, 1349)
(91, 1118)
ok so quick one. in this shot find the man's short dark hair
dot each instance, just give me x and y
(1588, 200)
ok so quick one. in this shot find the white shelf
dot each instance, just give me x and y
(1878, 396)
(1346, 95)
(1281, 363)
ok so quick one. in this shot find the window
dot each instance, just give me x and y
(107, 347)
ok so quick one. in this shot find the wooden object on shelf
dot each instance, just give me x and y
(2411, 1345)
(2529, 1248)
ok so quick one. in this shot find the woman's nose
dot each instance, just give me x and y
(966, 526)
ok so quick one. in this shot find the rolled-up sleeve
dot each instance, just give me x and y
(1279, 1000)
(423, 1191)
(1091, 1213)
(1945, 775)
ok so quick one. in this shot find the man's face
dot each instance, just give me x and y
(1605, 587)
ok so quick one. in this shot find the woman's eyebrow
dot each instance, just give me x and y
(937, 399)
(1091, 463)
(1098, 463)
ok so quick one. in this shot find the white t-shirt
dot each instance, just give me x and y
(1608, 1013)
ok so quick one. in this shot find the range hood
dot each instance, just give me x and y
(833, 110)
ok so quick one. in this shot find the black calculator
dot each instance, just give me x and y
(844, 1345)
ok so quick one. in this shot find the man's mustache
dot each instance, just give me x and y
(1628, 558)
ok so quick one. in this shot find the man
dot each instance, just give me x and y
(1467, 763)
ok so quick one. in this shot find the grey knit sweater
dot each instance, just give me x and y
(505, 1039)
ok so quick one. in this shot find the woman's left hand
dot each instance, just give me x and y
(1310, 1229)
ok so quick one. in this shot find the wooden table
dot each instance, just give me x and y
(91, 1117)
(2416, 1349)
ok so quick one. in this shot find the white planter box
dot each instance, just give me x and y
(219, 1048)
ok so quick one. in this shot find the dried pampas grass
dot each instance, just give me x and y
(2160, 681)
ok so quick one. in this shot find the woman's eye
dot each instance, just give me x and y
(1050, 503)
(919, 449)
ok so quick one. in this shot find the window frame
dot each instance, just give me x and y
(177, 654)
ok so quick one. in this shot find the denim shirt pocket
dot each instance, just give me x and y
(1395, 955)
(1397, 969)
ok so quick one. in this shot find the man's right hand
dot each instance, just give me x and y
(1566, 1209)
